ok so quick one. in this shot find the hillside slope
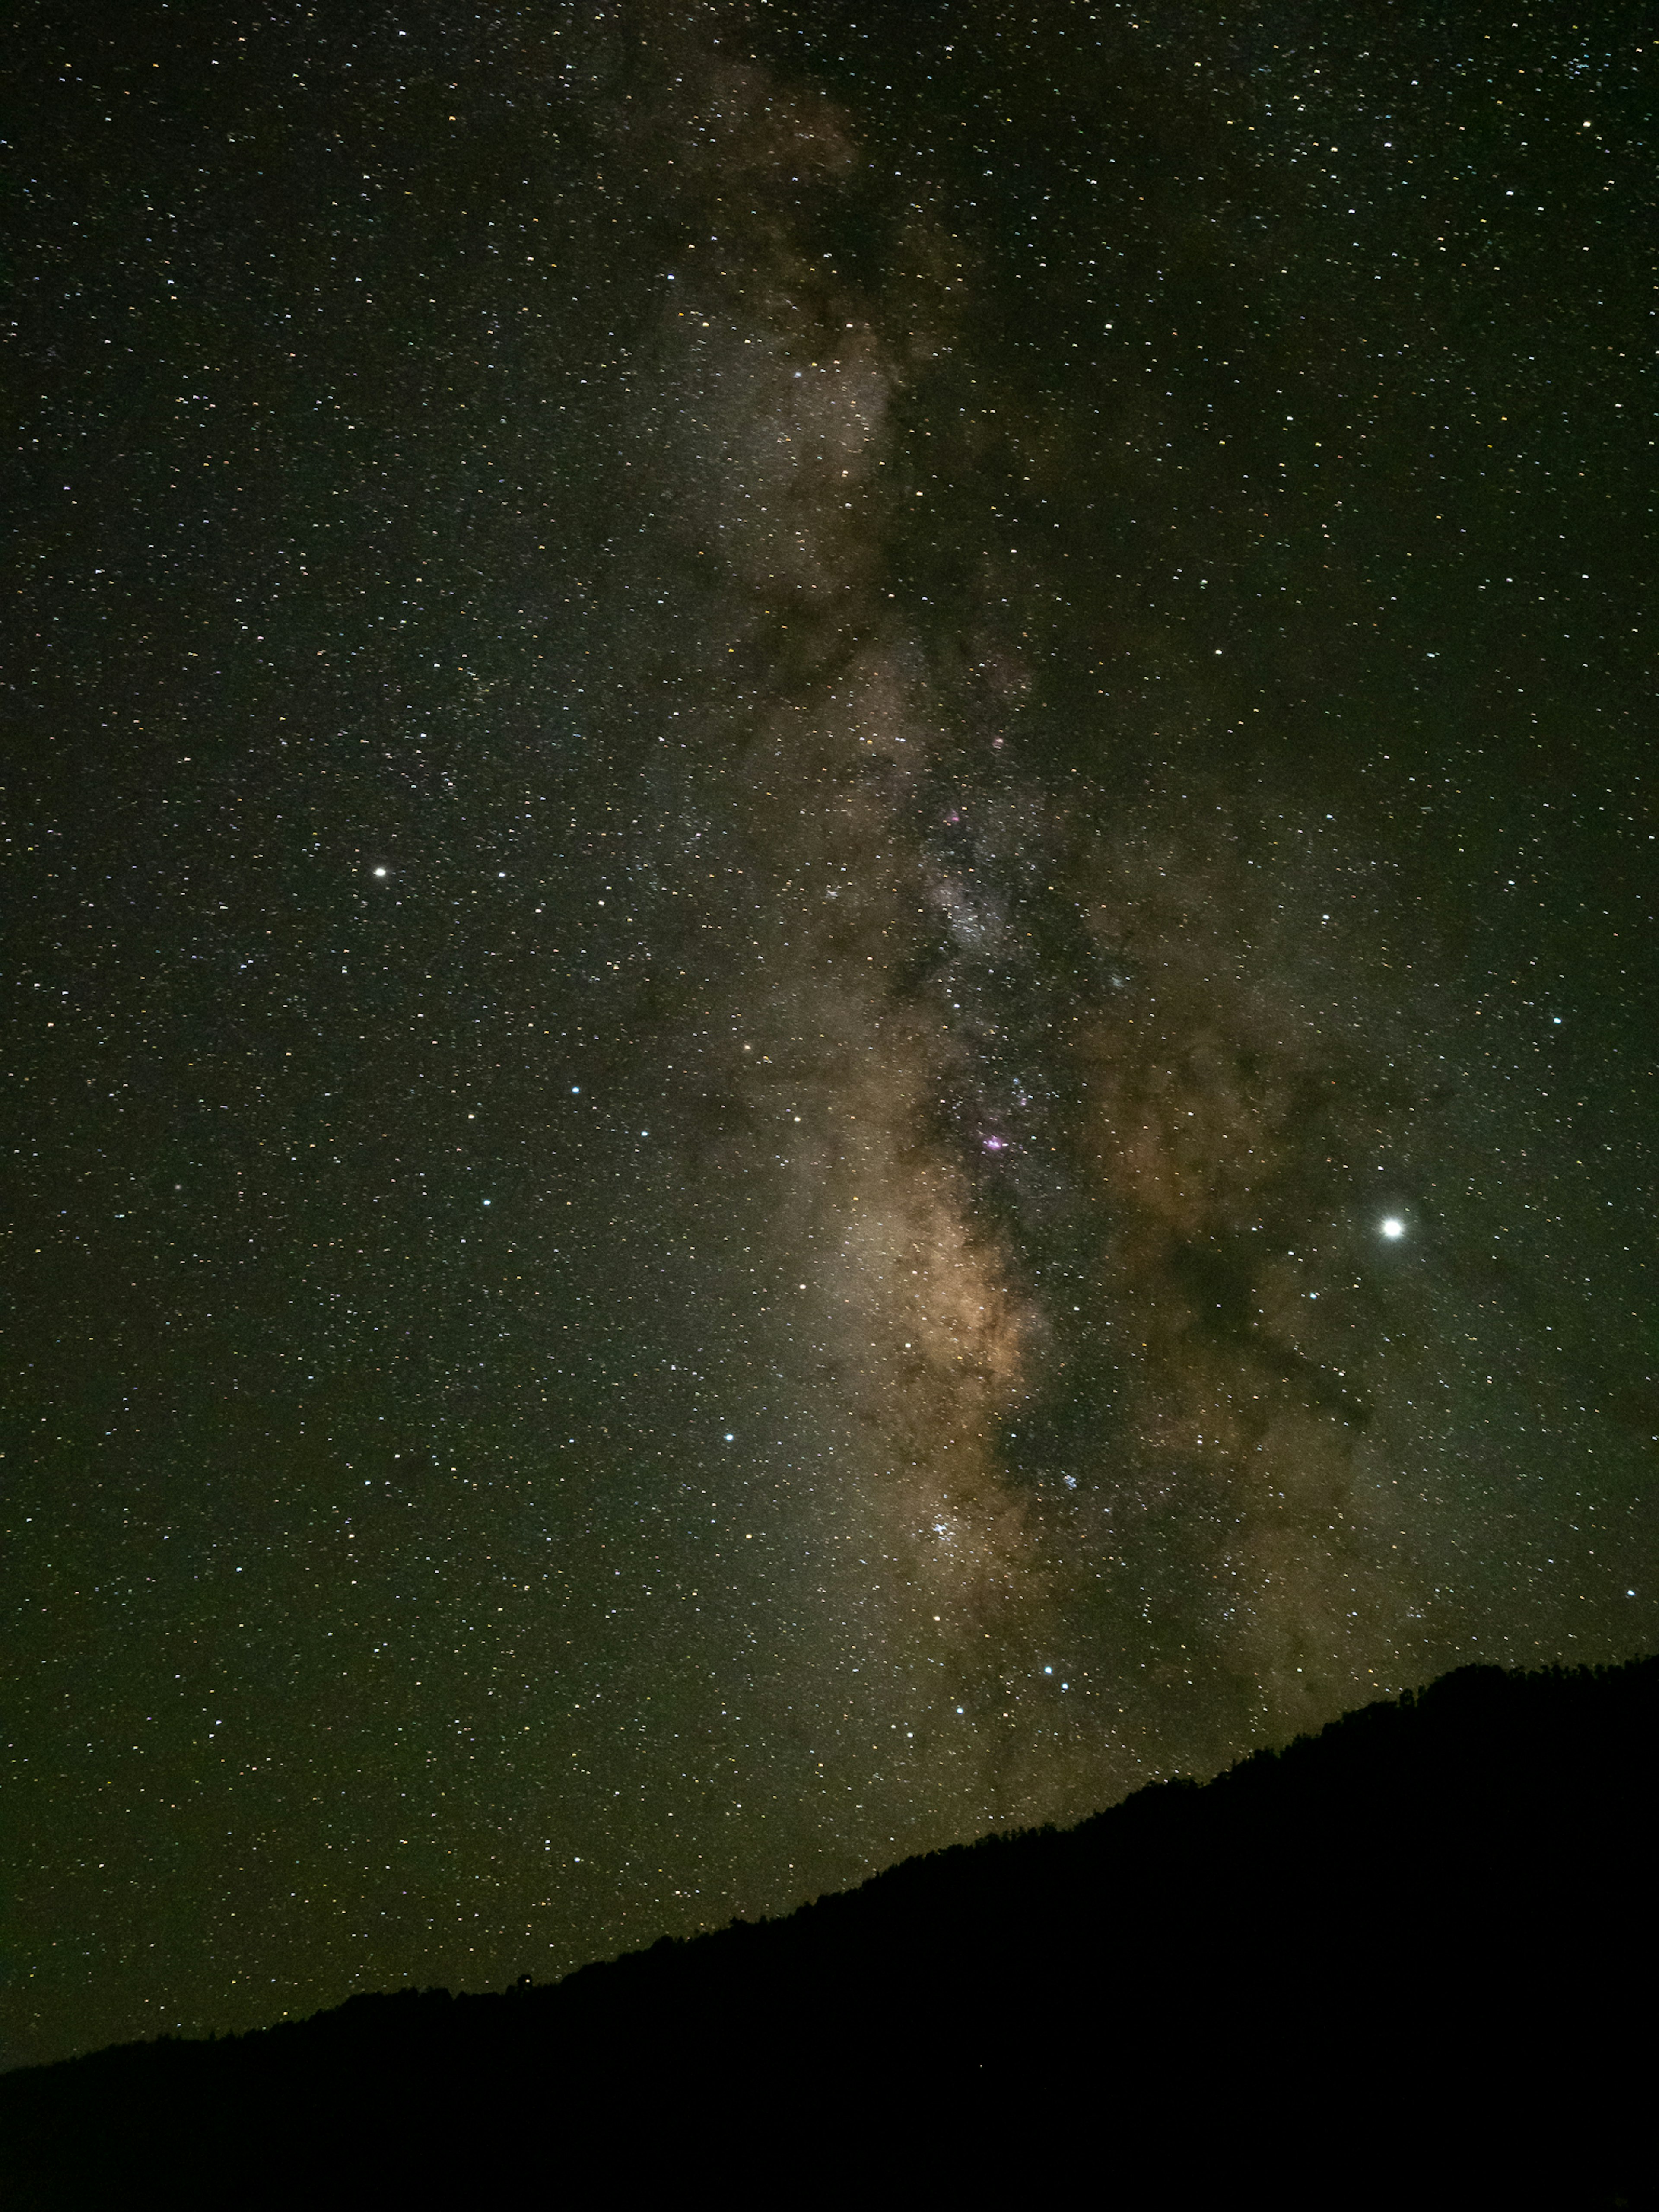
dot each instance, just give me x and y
(1414, 1954)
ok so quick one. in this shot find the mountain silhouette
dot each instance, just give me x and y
(1408, 1961)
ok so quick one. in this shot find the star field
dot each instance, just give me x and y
(832, 983)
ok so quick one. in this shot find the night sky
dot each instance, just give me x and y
(829, 901)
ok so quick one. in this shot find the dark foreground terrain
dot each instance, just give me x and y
(1410, 1961)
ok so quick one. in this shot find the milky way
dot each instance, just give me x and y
(834, 870)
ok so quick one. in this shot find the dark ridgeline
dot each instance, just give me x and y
(1410, 1961)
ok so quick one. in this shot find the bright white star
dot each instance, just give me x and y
(1393, 1226)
